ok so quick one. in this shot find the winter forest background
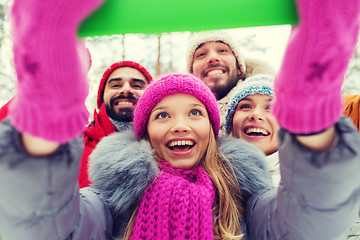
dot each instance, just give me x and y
(161, 54)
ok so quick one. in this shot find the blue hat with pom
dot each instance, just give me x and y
(261, 84)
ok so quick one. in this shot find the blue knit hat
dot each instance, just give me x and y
(261, 84)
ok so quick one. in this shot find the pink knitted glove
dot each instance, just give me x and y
(308, 86)
(51, 71)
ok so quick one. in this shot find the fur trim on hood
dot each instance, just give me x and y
(248, 163)
(121, 168)
(257, 66)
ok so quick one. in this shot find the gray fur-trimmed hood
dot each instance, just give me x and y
(121, 168)
(256, 66)
(248, 163)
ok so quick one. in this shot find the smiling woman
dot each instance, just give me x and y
(249, 117)
(179, 116)
(179, 130)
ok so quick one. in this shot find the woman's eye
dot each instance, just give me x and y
(195, 112)
(245, 106)
(162, 115)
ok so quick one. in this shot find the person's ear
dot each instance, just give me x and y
(239, 72)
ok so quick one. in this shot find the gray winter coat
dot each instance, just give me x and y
(318, 197)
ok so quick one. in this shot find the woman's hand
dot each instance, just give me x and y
(321, 142)
(37, 146)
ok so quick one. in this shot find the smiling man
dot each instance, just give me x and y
(120, 87)
(214, 57)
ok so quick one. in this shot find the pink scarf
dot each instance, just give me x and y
(177, 205)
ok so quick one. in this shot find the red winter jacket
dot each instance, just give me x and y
(4, 110)
(100, 127)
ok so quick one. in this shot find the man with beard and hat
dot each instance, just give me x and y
(120, 87)
(214, 57)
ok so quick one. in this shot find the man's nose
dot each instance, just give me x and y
(213, 58)
(126, 89)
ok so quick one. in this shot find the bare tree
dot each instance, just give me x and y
(7, 75)
(352, 80)
(158, 62)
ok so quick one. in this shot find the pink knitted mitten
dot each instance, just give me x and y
(308, 86)
(52, 85)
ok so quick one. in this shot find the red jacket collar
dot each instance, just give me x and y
(101, 126)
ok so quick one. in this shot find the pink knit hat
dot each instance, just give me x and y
(112, 68)
(170, 85)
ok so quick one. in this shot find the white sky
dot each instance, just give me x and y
(273, 38)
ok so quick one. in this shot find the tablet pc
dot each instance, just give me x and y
(159, 16)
